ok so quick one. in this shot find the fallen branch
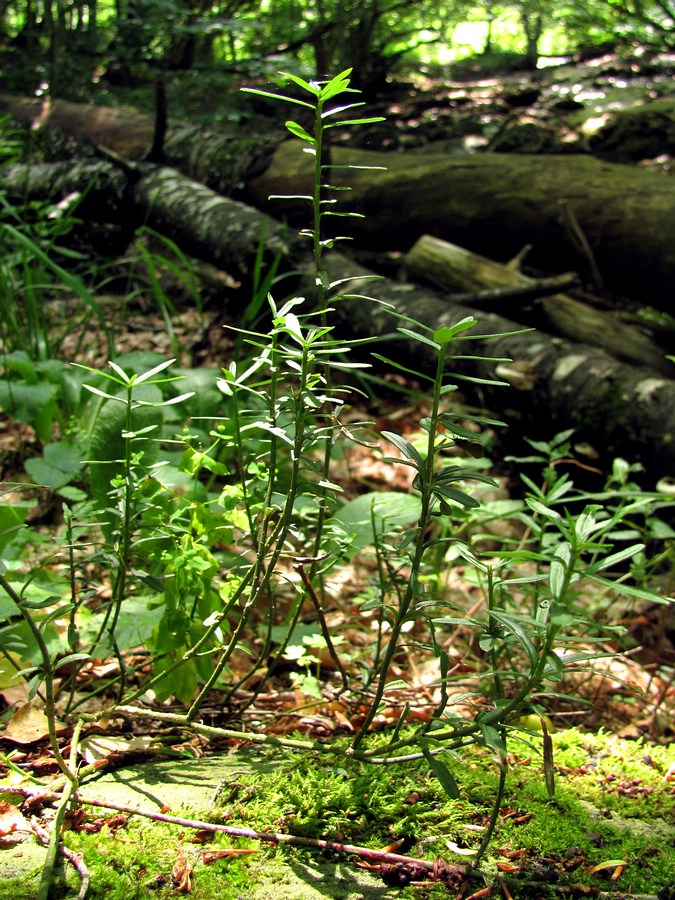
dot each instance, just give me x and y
(376, 856)
(454, 268)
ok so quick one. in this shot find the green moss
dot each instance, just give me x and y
(612, 803)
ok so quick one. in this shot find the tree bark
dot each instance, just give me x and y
(552, 384)
(205, 224)
(496, 204)
(618, 408)
(490, 204)
(452, 268)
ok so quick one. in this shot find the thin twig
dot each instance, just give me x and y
(309, 587)
(75, 859)
(375, 856)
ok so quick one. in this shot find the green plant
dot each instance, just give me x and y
(155, 257)
(217, 544)
(30, 277)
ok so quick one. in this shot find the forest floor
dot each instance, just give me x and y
(609, 831)
(618, 108)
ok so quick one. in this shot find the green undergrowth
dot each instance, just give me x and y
(612, 803)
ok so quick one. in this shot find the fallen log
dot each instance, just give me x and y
(492, 204)
(217, 229)
(618, 408)
(221, 159)
(453, 269)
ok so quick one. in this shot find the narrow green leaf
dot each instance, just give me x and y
(278, 97)
(95, 390)
(517, 630)
(404, 446)
(122, 374)
(73, 658)
(615, 558)
(310, 86)
(443, 490)
(398, 685)
(441, 771)
(492, 737)
(366, 121)
(291, 197)
(630, 591)
(420, 338)
(558, 571)
(299, 132)
(151, 372)
(443, 336)
(335, 110)
(42, 603)
(541, 508)
(402, 368)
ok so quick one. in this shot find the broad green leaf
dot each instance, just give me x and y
(59, 464)
(371, 516)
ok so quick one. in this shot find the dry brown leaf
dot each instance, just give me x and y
(100, 747)
(29, 725)
(181, 872)
(13, 826)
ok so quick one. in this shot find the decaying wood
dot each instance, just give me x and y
(616, 407)
(453, 269)
(554, 384)
(494, 204)
(491, 203)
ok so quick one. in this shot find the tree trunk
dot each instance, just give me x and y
(490, 204)
(453, 269)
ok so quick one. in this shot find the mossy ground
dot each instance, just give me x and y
(612, 802)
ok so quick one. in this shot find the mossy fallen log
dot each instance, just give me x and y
(556, 384)
(566, 206)
(453, 269)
